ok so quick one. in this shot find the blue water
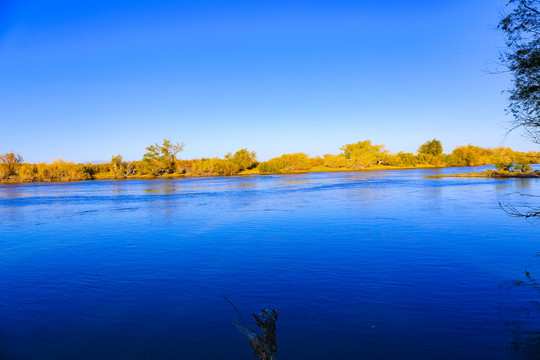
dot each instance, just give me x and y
(359, 265)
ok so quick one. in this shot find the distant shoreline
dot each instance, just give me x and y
(161, 161)
(318, 169)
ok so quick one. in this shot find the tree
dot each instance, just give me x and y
(10, 161)
(470, 155)
(116, 163)
(432, 147)
(363, 154)
(162, 158)
(119, 168)
(243, 158)
(522, 58)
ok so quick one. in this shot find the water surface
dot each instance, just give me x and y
(359, 265)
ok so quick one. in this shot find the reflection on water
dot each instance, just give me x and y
(523, 318)
(523, 185)
(375, 265)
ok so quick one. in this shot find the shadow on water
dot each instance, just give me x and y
(523, 320)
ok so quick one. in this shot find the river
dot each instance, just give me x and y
(359, 265)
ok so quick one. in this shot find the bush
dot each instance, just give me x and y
(336, 161)
(286, 163)
(363, 154)
(316, 161)
(429, 159)
(61, 170)
(268, 167)
(214, 166)
(184, 166)
(243, 158)
(402, 159)
(27, 172)
(4, 171)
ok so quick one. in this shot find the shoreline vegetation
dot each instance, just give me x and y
(161, 161)
(492, 174)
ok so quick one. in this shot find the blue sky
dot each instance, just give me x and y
(83, 80)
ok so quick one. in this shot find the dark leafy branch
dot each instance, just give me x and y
(522, 58)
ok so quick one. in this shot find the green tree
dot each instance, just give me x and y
(522, 58)
(432, 147)
(162, 158)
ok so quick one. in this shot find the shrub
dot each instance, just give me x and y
(335, 161)
(243, 158)
(27, 172)
(214, 166)
(402, 159)
(316, 161)
(4, 171)
(286, 163)
(364, 154)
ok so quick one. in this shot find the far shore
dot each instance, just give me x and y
(161, 162)
(316, 169)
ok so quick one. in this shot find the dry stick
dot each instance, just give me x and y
(234, 307)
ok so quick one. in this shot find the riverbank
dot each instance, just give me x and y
(14, 179)
(161, 162)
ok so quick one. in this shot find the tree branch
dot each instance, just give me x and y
(266, 346)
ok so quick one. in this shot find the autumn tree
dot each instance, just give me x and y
(116, 163)
(119, 168)
(470, 155)
(10, 161)
(432, 147)
(363, 154)
(162, 158)
(243, 158)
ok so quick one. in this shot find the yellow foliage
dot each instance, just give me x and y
(286, 163)
(336, 161)
(364, 154)
(403, 159)
(316, 161)
(4, 171)
(27, 172)
(161, 160)
(61, 170)
(214, 166)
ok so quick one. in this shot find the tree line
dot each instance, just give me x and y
(161, 159)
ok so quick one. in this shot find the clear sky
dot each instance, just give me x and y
(83, 80)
